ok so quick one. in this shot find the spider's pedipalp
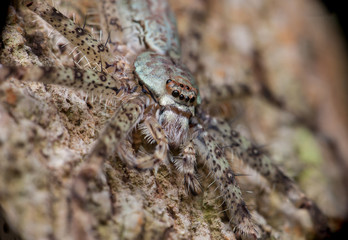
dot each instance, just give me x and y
(186, 164)
(211, 153)
(149, 161)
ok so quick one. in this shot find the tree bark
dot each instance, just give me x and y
(290, 56)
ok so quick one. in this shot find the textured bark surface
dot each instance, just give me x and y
(288, 52)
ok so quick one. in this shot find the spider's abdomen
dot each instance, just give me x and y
(153, 25)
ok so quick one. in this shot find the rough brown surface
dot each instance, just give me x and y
(290, 55)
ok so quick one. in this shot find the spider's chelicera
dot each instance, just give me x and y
(159, 96)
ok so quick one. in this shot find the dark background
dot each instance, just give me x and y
(3, 13)
(339, 10)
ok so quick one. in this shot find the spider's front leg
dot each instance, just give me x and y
(215, 158)
(259, 161)
(97, 53)
(98, 83)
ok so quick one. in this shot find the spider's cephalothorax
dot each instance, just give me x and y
(174, 89)
(157, 93)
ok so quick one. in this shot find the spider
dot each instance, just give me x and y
(159, 98)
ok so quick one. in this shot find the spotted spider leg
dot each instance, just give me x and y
(117, 130)
(214, 157)
(226, 92)
(256, 158)
(98, 83)
(97, 53)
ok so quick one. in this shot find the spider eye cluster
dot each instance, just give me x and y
(181, 91)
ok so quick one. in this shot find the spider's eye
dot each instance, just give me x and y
(168, 81)
(175, 93)
(187, 99)
(192, 99)
(182, 97)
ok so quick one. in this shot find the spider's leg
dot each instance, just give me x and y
(96, 52)
(154, 133)
(89, 175)
(226, 92)
(118, 129)
(258, 160)
(230, 91)
(99, 83)
(224, 177)
(186, 164)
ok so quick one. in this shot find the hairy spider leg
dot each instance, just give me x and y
(96, 52)
(98, 83)
(225, 92)
(211, 154)
(256, 158)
